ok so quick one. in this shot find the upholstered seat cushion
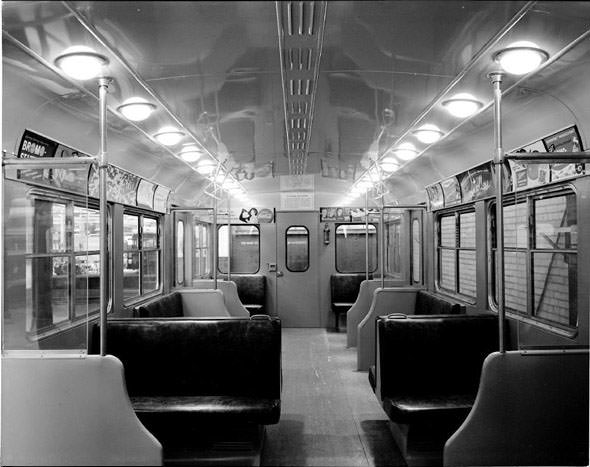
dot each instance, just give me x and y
(251, 290)
(168, 306)
(204, 408)
(435, 407)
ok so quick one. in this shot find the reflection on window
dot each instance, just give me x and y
(141, 255)
(456, 253)
(62, 273)
(351, 248)
(245, 249)
(201, 268)
(544, 286)
(394, 266)
(416, 252)
(180, 252)
(297, 249)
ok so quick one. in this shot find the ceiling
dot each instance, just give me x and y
(269, 89)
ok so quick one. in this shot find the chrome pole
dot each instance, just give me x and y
(103, 85)
(382, 234)
(214, 243)
(367, 235)
(496, 80)
(228, 240)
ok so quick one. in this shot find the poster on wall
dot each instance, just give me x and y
(161, 198)
(359, 215)
(435, 195)
(121, 185)
(145, 194)
(340, 214)
(297, 201)
(567, 140)
(34, 145)
(247, 215)
(529, 175)
(452, 191)
(480, 183)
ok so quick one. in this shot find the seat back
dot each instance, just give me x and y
(167, 306)
(426, 355)
(428, 303)
(344, 288)
(531, 409)
(251, 289)
(197, 357)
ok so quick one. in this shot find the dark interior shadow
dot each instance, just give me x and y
(379, 444)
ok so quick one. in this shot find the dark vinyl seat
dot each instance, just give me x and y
(344, 289)
(251, 291)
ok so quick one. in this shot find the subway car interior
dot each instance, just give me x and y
(295, 233)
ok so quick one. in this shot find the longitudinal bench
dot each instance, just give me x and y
(427, 375)
(344, 289)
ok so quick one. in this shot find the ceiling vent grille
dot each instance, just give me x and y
(301, 34)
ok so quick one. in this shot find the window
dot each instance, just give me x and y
(456, 253)
(63, 270)
(201, 265)
(297, 249)
(351, 248)
(245, 249)
(394, 266)
(141, 255)
(540, 257)
(416, 252)
(180, 252)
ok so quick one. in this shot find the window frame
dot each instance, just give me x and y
(141, 215)
(219, 227)
(71, 201)
(202, 246)
(376, 262)
(287, 249)
(529, 197)
(457, 248)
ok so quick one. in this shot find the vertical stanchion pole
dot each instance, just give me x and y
(496, 80)
(382, 235)
(214, 235)
(367, 235)
(228, 239)
(103, 85)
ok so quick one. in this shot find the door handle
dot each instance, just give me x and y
(280, 274)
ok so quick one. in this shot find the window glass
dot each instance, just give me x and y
(149, 272)
(297, 249)
(149, 234)
(245, 249)
(180, 252)
(556, 222)
(447, 231)
(456, 253)
(130, 232)
(540, 279)
(131, 275)
(86, 229)
(87, 284)
(416, 252)
(351, 248)
(393, 248)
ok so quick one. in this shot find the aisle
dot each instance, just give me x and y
(329, 416)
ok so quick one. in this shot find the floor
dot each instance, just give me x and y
(329, 416)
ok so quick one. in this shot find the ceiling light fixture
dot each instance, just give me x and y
(428, 133)
(205, 167)
(520, 57)
(81, 62)
(462, 105)
(169, 136)
(405, 151)
(190, 153)
(389, 165)
(136, 109)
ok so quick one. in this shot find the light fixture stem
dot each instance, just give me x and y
(103, 85)
(496, 80)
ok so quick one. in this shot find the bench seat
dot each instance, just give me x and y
(411, 409)
(344, 289)
(221, 409)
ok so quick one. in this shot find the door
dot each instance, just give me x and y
(298, 300)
